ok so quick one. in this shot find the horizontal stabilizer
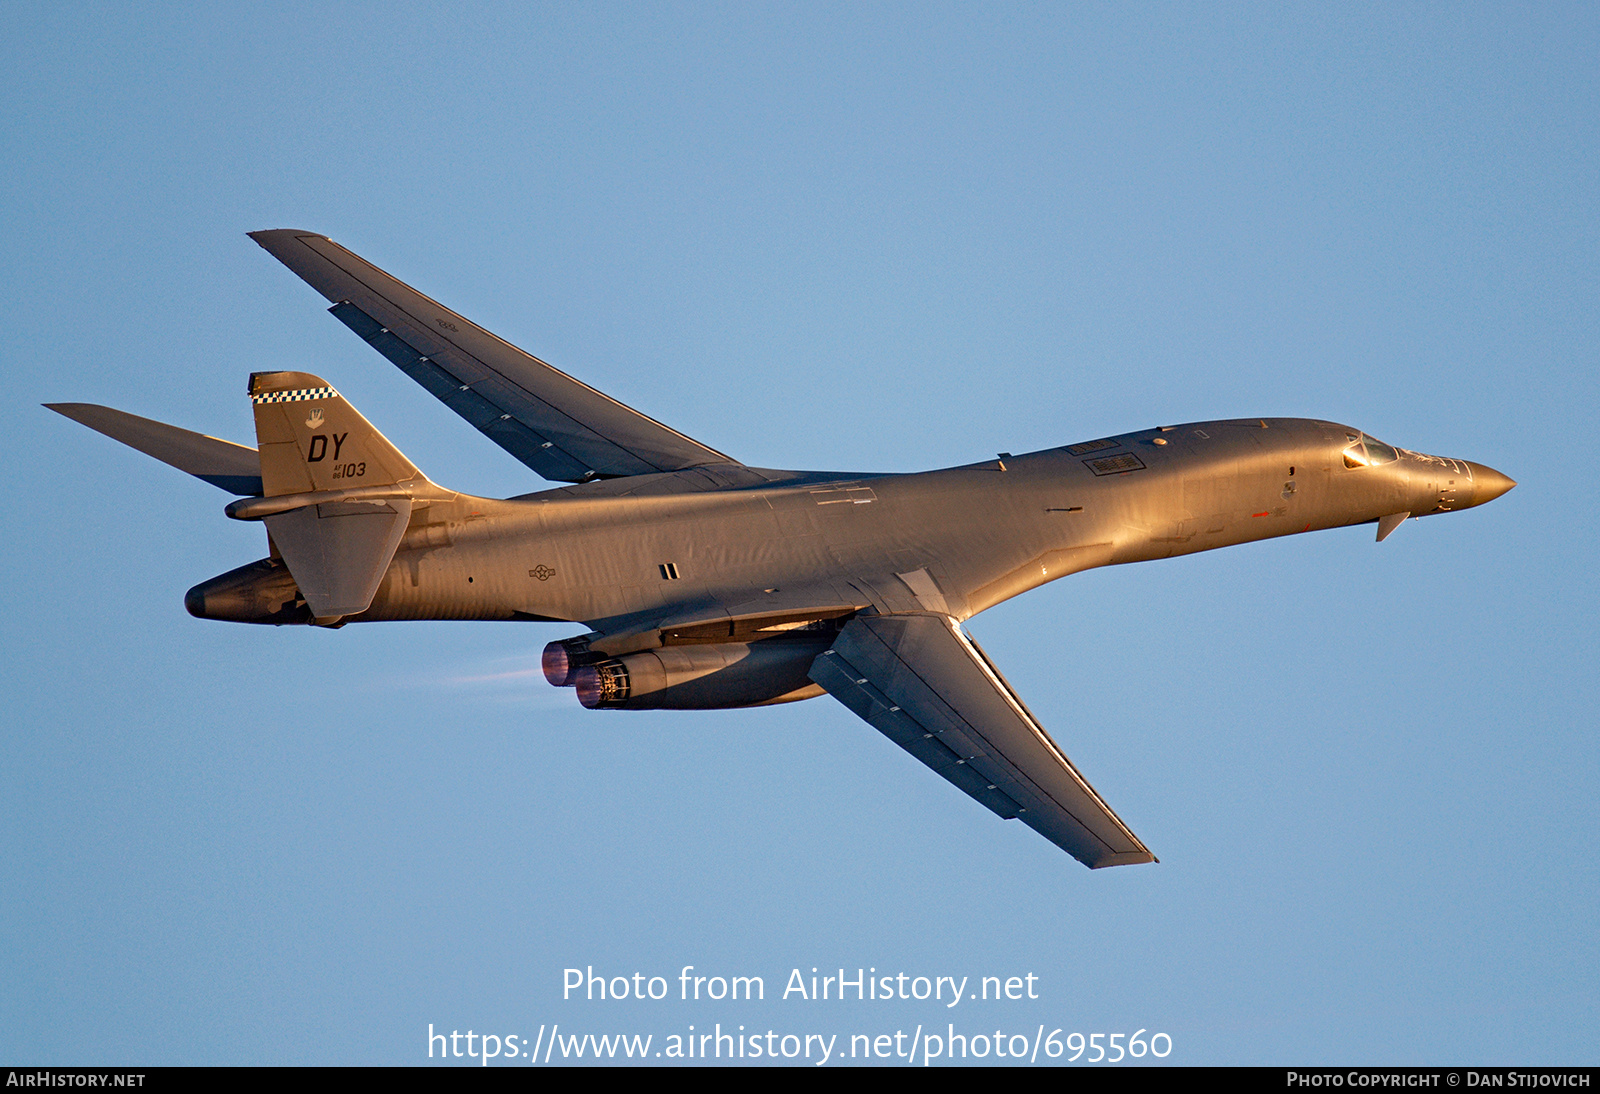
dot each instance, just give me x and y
(560, 427)
(231, 467)
(339, 553)
(926, 686)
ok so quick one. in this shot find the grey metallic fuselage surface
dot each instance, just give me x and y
(705, 583)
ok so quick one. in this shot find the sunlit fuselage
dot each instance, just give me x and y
(983, 532)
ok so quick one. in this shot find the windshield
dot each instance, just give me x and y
(1365, 451)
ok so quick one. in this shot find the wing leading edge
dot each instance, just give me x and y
(928, 687)
(560, 427)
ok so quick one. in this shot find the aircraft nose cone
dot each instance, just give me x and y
(1487, 483)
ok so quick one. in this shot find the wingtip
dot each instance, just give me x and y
(264, 235)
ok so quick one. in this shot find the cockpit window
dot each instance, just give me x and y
(1365, 451)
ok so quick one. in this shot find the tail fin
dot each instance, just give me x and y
(337, 543)
(311, 439)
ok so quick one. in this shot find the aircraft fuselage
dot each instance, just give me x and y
(659, 546)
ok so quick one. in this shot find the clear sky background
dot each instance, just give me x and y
(860, 237)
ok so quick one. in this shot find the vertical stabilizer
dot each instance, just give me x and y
(311, 440)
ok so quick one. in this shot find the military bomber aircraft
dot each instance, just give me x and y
(705, 583)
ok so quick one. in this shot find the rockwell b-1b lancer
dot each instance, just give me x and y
(705, 583)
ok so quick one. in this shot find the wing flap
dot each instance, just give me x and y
(455, 391)
(930, 689)
(931, 747)
(559, 426)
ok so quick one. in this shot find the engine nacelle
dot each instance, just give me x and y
(704, 676)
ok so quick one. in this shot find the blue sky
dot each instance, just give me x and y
(866, 237)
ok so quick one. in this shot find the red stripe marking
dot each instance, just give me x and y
(1261, 514)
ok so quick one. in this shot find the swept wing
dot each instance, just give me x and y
(929, 688)
(560, 427)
